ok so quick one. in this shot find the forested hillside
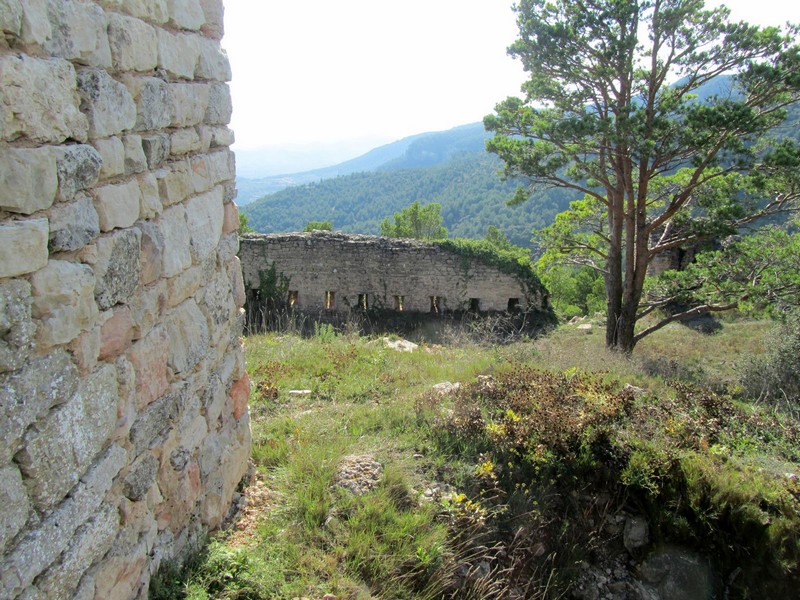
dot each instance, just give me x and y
(468, 187)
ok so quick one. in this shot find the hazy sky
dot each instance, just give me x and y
(372, 71)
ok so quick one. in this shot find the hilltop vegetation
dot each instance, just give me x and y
(468, 186)
(518, 484)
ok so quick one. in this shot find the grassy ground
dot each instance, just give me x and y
(465, 474)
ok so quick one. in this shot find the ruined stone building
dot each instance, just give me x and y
(124, 427)
(324, 271)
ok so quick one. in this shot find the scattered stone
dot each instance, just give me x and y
(400, 345)
(358, 473)
(633, 390)
(636, 534)
(299, 393)
(585, 327)
(446, 387)
(676, 573)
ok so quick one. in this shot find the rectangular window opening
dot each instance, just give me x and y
(399, 302)
(513, 304)
(292, 299)
(363, 301)
(474, 304)
(330, 300)
(436, 304)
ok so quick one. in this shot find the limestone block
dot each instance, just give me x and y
(228, 247)
(217, 305)
(221, 484)
(156, 149)
(116, 334)
(178, 254)
(213, 12)
(135, 160)
(240, 396)
(213, 62)
(63, 299)
(117, 268)
(51, 466)
(213, 401)
(220, 106)
(92, 540)
(140, 477)
(154, 11)
(186, 14)
(152, 252)
(112, 156)
(27, 395)
(178, 53)
(185, 284)
(187, 330)
(36, 27)
(204, 216)
(40, 100)
(204, 131)
(108, 104)
(149, 359)
(14, 500)
(11, 16)
(118, 204)
(39, 548)
(184, 141)
(73, 225)
(221, 136)
(210, 169)
(174, 183)
(230, 221)
(191, 103)
(86, 348)
(180, 489)
(78, 169)
(78, 33)
(234, 268)
(148, 305)
(150, 206)
(16, 327)
(134, 44)
(154, 105)
(28, 179)
(156, 420)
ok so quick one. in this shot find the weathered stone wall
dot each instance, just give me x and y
(381, 268)
(123, 394)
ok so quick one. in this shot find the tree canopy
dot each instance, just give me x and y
(422, 222)
(611, 111)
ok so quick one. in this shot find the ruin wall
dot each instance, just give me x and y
(124, 428)
(355, 268)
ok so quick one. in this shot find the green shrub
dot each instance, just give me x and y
(775, 375)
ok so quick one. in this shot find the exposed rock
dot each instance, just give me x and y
(636, 534)
(400, 345)
(445, 388)
(358, 473)
(678, 574)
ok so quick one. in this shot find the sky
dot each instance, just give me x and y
(359, 73)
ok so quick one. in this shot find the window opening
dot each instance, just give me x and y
(513, 304)
(399, 303)
(329, 299)
(474, 304)
(436, 304)
(363, 301)
(292, 299)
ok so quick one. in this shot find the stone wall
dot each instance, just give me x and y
(379, 271)
(123, 394)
